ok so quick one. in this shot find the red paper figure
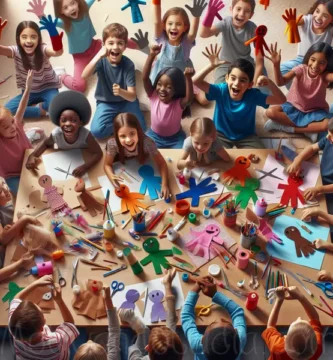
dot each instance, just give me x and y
(292, 25)
(239, 171)
(265, 3)
(292, 192)
(260, 42)
(129, 201)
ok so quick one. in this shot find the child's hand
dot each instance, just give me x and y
(28, 82)
(262, 81)
(309, 213)
(165, 192)
(311, 193)
(37, 7)
(32, 163)
(275, 55)
(190, 164)
(198, 7)
(27, 219)
(319, 244)
(169, 275)
(107, 297)
(44, 280)
(56, 292)
(80, 171)
(140, 40)
(116, 90)
(104, 52)
(280, 293)
(294, 168)
(324, 275)
(293, 293)
(2, 25)
(189, 71)
(213, 55)
(155, 50)
(115, 179)
(208, 286)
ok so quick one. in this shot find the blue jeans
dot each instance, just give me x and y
(168, 142)
(45, 97)
(13, 184)
(287, 66)
(102, 123)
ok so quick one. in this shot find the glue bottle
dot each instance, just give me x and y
(260, 207)
(108, 229)
(187, 173)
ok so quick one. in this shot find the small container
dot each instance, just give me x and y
(181, 179)
(139, 226)
(229, 220)
(260, 207)
(192, 218)
(252, 301)
(132, 260)
(214, 270)
(185, 277)
(247, 241)
(108, 229)
(172, 234)
(243, 258)
(44, 268)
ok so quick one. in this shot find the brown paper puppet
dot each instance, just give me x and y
(42, 296)
(259, 40)
(302, 245)
(292, 192)
(239, 171)
(87, 200)
(129, 200)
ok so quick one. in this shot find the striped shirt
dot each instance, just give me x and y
(53, 345)
(149, 148)
(43, 79)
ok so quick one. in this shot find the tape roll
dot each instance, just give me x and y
(206, 213)
(214, 270)
(192, 218)
(243, 258)
(185, 277)
(252, 301)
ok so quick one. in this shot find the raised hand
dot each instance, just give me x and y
(28, 82)
(51, 26)
(198, 7)
(275, 55)
(189, 71)
(2, 25)
(155, 50)
(212, 54)
(214, 6)
(169, 275)
(262, 81)
(292, 25)
(37, 7)
(140, 39)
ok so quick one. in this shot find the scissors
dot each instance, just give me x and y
(117, 286)
(325, 287)
(74, 278)
(64, 171)
(61, 279)
(203, 310)
(269, 173)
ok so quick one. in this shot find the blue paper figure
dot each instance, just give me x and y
(150, 182)
(135, 10)
(196, 190)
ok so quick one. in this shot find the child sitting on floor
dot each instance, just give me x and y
(70, 111)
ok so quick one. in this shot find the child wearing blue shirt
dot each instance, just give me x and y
(236, 101)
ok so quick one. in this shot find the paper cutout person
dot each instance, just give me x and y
(129, 200)
(132, 296)
(302, 245)
(196, 190)
(292, 25)
(259, 40)
(246, 192)
(201, 243)
(150, 182)
(135, 10)
(292, 192)
(13, 290)
(87, 200)
(156, 256)
(265, 3)
(238, 171)
(158, 312)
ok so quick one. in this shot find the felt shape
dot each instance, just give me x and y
(129, 201)
(259, 40)
(132, 296)
(13, 290)
(292, 25)
(196, 190)
(158, 312)
(42, 296)
(246, 192)
(135, 10)
(238, 171)
(156, 256)
(292, 192)
(214, 6)
(87, 199)
(150, 182)
(302, 245)
(51, 26)
(265, 3)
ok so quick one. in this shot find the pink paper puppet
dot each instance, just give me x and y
(157, 311)
(201, 243)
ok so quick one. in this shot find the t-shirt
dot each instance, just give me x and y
(43, 79)
(308, 37)
(12, 152)
(307, 94)
(122, 74)
(149, 148)
(217, 145)
(275, 342)
(81, 33)
(53, 345)
(80, 143)
(235, 119)
(6, 214)
(165, 118)
(326, 164)
(233, 39)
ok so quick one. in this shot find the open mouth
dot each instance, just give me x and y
(313, 71)
(174, 34)
(238, 19)
(317, 23)
(28, 47)
(114, 54)
(74, 14)
(234, 91)
(162, 95)
(210, 231)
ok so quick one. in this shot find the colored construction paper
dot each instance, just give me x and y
(176, 251)
(132, 296)
(13, 290)
(246, 192)
(150, 182)
(239, 170)
(158, 312)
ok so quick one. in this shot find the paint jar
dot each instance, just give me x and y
(206, 213)
(260, 207)
(182, 207)
(185, 277)
(229, 220)
(247, 241)
(132, 260)
(243, 258)
(44, 268)
(139, 226)
(252, 301)
(108, 229)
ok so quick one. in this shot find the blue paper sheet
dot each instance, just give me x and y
(287, 250)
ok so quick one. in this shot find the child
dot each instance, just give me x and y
(304, 338)
(176, 38)
(130, 141)
(202, 146)
(73, 16)
(70, 111)
(163, 342)
(315, 27)
(236, 101)
(31, 54)
(115, 91)
(6, 205)
(221, 339)
(33, 339)
(13, 140)
(171, 92)
(306, 110)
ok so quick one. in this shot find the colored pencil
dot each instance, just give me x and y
(267, 281)
(266, 266)
(92, 244)
(286, 280)
(106, 202)
(156, 221)
(126, 222)
(277, 280)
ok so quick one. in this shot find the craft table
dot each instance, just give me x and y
(290, 310)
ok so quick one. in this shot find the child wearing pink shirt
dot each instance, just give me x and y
(170, 94)
(306, 110)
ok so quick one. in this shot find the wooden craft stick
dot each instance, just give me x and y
(126, 222)
(88, 262)
(92, 244)
(220, 255)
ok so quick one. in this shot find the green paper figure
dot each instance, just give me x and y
(176, 251)
(246, 192)
(157, 256)
(13, 290)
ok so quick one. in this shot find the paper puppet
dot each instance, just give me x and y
(42, 296)
(150, 182)
(129, 200)
(87, 200)
(135, 10)
(132, 296)
(259, 40)
(302, 245)
(196, 190)
(292, 25)
(201, 243)
(246, 192)
(239, 171)
(2, 25)
(292, 192)
(158, 312)
(13, 290)
(156, 256)
(265, 3)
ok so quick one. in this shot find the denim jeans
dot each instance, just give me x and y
(13, 184)
(168, 142)
(287, 66)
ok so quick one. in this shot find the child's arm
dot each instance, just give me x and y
(170, 299)
(311, 193)
(187, 100)
(108, 169)
(56, 39)
(274, 315)
(208, 29)
(324, 275)
(4, 50)
(129, 94)
(65, 312)
(307, 153)
(44, 280)
(294, 293)
(277, 96)
(11, 269)
(154, 51)
(157, 18)
(196, 11)
(314, 212)
(163, 169)
(25, 98)
(32, 161)
(184, 163)
(90, 68)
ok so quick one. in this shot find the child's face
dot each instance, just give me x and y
(8, 127)
(128, 138)
(70, 124)
(321, 18)
(175, 27)
(116, 48)
(29, 40)
(4, 193)
(238, 82)
(330, 136)
(164, 89)
(70, 8)
(201, 143)
(317, 64)
(241, 14)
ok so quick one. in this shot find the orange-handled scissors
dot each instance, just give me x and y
(203, 310)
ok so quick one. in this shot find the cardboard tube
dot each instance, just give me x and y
(243, 258)
(133, 262)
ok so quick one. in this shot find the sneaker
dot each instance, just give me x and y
(60, 70)
(271, 125)
(35, 134)
(312, 136)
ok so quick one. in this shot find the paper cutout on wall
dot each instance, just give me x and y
(150, 182)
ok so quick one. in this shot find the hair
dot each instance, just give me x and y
(83, 10)
(39, 56)
(327, 50)
(330, 125)
(178, 11)
(90, 351)
(177, 78)
(221, 343)
(4, 113)
(251, 2)
(327, 3)
(164, 344)
(301, 341)
(243, 65)
(203, 126)
(130, 120)
(116, 30)
(26, 321)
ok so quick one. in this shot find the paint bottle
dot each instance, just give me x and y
(192, 218)
(243, 258)
(172, 234)
(132, 260)
(108, 229)
(187, 173)
(44, 268)
(260, 207)
(181, 179)
(206, 213)
(252, 301)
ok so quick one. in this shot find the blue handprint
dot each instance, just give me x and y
(196, 190)
(51, 26)
(136, 12)
(153, 183)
